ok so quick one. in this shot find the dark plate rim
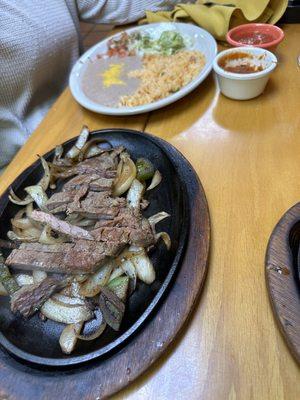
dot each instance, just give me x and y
(171, 153)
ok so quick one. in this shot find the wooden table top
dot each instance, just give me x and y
(247, 157)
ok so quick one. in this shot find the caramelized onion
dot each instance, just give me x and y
(66, 313)
(16, 200)
(75, 150)
(45, 181)
(47, 238)
(22, 223)
(119, 286)
(68, 337)
(129, 269)
(67, 300)
(19, 238)
(39, 276)
(93, 328)
(155, 219)
(24, 279)
(116, 273)
(135, 194)
(125, 177)
(92, 286)
(90, 149)
(144, 268)
(165, 237)
(38, 194)
(157, 177)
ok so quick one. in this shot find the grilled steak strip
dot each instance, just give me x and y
(36, 260)
(104, 165)
(83, 256)
(102, 185)
(61, 226)
(68, 201)
(81, 192)
(98, 205)
(95, 183)
(60, 199)
(47, 248)
(117, 224)
(139, 237)
(129, 226)
(30, 298)
(79, 180)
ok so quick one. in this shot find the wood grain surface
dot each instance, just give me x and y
(283, 278)
(247, 157)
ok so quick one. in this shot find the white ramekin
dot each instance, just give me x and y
(244, 86)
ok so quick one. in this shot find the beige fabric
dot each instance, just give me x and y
(219, 16)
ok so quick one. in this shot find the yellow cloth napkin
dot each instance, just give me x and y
(218, 16)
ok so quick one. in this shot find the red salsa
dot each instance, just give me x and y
(243, 64)
(255, 38)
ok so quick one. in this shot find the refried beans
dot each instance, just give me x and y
(106, 80)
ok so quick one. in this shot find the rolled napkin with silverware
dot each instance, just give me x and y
(219, 16)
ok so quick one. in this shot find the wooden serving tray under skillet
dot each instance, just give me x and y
(282, 275)
(31, 365)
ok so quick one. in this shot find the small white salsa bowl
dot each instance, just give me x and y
(243, 72)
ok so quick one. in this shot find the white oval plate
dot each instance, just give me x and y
(201, 41)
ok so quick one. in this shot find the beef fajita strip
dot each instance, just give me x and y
(60, 199)
(128, 225)
(97, 206)
(104, 165)
(95, 183)
(83, 256)
(75, 232)
(30, 298)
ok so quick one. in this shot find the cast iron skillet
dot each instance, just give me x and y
(37, 342)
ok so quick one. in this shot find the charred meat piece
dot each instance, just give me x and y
(75, 232)
(127, 217)
(58, 202)
(83, 256)
(44, 258)
(112, 234)
(64, 198)
(68, 200)
(119, 226)
(88, 256)
(100, 165)
(81, 192)
(95, 183)
(6, 244)
(143, 236)
(47, 248)
(60, 199)
(129, 226)
(30, 298)
(102, 185)
(98, 206)
(79, 180)
(104, 165)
